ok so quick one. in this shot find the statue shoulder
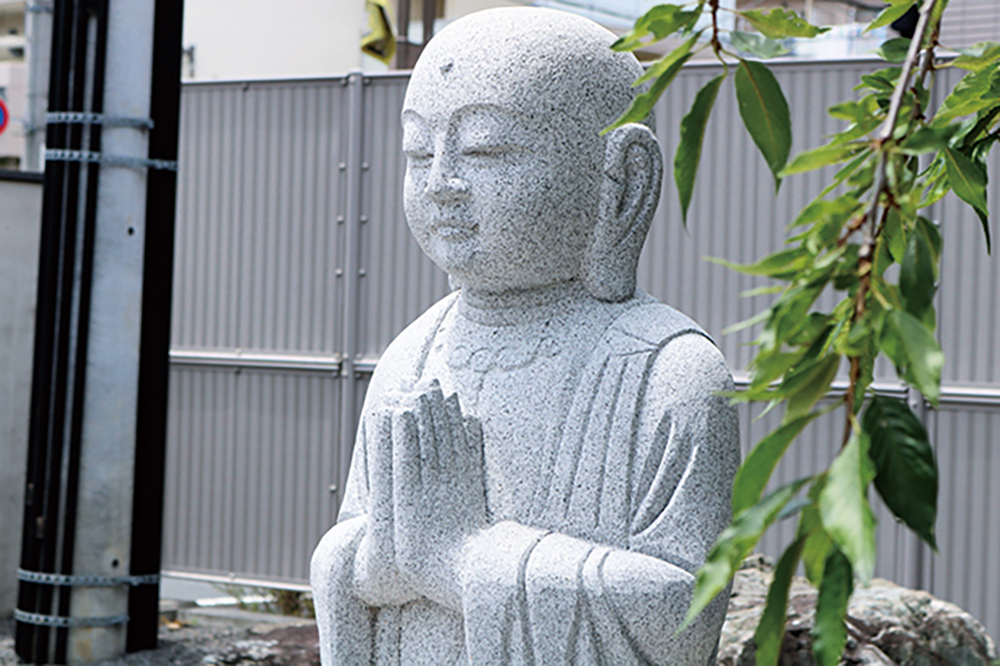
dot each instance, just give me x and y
(654, 324)
(682, 350)
(408, 350)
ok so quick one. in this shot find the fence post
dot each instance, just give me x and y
(355, 124)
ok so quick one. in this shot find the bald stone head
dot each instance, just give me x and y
(509, 183)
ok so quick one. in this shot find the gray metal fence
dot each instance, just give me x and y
(295, 269)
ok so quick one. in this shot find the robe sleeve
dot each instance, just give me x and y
(535, 596)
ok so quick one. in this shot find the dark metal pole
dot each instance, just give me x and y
(151, 426)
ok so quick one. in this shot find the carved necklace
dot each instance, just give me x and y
(482, 359)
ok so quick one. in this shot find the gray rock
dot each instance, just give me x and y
(886, 623)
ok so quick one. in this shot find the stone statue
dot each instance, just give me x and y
(543, 459)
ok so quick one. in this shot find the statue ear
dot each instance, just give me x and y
(630, 191)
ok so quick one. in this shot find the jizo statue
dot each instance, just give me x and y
(543, 459)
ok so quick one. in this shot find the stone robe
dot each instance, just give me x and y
(600, 511)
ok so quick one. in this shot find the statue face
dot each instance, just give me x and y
(498, 193)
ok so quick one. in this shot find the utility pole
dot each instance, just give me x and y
(38, 48)
(93, 492)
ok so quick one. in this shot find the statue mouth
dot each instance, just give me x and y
(455, 229)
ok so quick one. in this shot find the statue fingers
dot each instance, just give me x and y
(427, 439)
(407, 477)
(380, 476)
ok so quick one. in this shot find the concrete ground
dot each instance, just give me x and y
(200, 624)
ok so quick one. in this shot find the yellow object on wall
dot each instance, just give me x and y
(379, 42)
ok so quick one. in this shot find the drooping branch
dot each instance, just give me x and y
(870, 228)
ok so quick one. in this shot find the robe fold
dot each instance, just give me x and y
(598, 569)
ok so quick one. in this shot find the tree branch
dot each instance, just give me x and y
(870, 229)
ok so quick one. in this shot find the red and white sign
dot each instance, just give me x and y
(4, 116)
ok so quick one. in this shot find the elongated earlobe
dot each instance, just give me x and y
(630, 192)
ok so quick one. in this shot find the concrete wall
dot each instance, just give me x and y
(272, 38)
(20, 218)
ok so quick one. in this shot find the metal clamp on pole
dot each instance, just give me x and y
(65, 622)
(39, 7)
(66, 580)
(88, 156)
(82, 118)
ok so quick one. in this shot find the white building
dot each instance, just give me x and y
(13, 81)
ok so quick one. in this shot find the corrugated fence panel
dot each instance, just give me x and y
(259, 243)
(967, 569)
(969, 22)
(292, 240)
(253, 462)
(260, 217)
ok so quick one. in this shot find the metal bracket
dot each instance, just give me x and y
(82, 118)
(90, 157)
(39, 7)
(85, 580)
(60, 621)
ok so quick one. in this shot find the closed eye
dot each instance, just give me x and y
(419, 156)
(489, 150)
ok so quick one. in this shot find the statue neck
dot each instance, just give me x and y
(510, 308)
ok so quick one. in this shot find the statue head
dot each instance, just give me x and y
(509, 183)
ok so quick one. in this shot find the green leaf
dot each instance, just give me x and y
(733, 545)
(894, 50)
(765, 113)
(893, 236)
(844, 509)
(914, 351)
(881, 81)
(820, 157)
(643, 104)
(780, 23)
(805, 388)
(758, 318)
(830, 631)
(660, 21)
(771, 629)
(789, 312)
(756, 470)
(692, 136)
(669, 62)
(756, 45)
(968, 181)
(978, 57)
(977, 91)
(906, 475)
(928, 139)
(817, 544)
(784, 262)
(933, 236)
(916, 275)
(896, 9)
(839, 210)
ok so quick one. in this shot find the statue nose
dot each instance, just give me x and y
(443, 186)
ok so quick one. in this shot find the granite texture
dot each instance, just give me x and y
(543, 460)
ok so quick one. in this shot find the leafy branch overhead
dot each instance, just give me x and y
(896, 156)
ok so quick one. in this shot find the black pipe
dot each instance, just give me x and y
(69, 228)
(154, 345)
(53, 328)
(100, 13)
(31, 642)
